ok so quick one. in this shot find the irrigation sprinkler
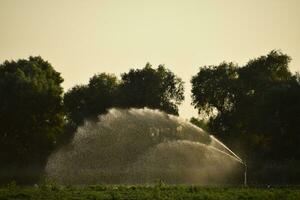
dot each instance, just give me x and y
(245, 174)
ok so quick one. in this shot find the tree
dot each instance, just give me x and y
(213, 88)
(154, 88)
(279, 118)
(88, 101)
(200, 123)
(250, 105)
(31, 112)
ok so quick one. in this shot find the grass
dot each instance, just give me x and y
(156, 192)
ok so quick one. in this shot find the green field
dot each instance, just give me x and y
(53, 191)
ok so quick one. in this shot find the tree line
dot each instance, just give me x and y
(253, 108)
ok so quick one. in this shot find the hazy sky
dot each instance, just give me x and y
(83, 37)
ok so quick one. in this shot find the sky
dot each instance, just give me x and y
(83, 37)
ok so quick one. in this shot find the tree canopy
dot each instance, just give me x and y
(154, 88)
(31, 118)
(255, 107)
(88, 101)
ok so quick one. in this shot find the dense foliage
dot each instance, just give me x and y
(254, 108)
(147, 87)
(88, 101)
(201, 123)
(31, 114)
(155, 88)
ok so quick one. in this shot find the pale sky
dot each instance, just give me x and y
(83, 37)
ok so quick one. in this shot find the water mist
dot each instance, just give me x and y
(142, 146)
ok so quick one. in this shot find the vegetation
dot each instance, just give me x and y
(254, 109)
(36, 117)
(31, 119)
(200, 123)
(88, 101)
(154, 88)
(52, 191)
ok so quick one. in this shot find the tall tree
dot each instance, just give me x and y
(31, 112)
(88, 101)
(250, 105)
(154, 88)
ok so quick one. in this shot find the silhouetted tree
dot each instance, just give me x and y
(253, 108)
(200, 123)
(31, 112)
(214, 87)
(154, 88)
(88, 101)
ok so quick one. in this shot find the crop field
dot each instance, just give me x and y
(153, 192)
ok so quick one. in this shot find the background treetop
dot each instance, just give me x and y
(155, 88)
(31, 112)
(255, 106)
(147, 87)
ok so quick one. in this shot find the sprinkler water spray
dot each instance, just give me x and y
(137, 146)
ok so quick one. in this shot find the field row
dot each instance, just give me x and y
(147, 192)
